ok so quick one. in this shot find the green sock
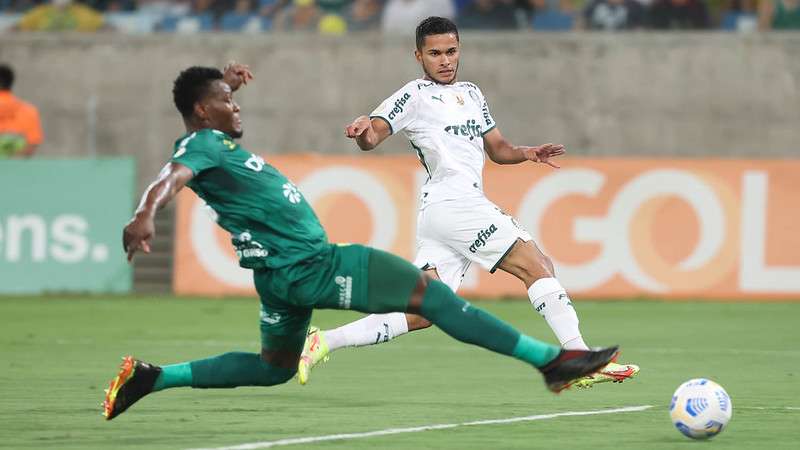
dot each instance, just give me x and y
(472, 325)
(223, 371)
(535, 352)
(237, 369)
(174, 375)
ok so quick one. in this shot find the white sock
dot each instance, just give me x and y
(370, 330)
(551, 301)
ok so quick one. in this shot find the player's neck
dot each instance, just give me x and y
(193, 125)
(429, 78)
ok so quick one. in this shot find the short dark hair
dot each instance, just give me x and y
(6, 77)
(192, 85)
(434, 25)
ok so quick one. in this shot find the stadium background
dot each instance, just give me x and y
(680, 184)
(678, 98)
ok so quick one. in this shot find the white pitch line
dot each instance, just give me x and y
(771, 408)
(389, 431)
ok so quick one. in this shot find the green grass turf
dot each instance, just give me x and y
(59, 353)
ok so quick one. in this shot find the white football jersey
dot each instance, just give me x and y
(445, 124)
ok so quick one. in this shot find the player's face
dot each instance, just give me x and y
(439, 57)
(222, 113)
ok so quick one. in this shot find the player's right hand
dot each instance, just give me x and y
(138, 234)
(358, 127)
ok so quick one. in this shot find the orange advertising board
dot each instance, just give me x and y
(614, 227)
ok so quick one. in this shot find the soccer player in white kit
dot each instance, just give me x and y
(449, 125)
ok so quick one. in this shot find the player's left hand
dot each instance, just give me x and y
(235, 74)
(543, 153)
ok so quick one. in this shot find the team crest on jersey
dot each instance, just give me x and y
(459, 100)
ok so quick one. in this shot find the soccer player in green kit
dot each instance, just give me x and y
(295, 268)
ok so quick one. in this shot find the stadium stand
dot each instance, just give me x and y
(258, 16)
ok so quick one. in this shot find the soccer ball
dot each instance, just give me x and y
(700, 408)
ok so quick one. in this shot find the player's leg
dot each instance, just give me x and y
(369, 330)
(283, 331)
(394, 284)
(526, 262)
(374, 328)
(486, 235)
(282, 337)
(380, 328)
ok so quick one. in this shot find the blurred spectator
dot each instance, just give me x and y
(302, 15)
(163, 8)
(332, 24)
(269, 9)
(243, 18)
(111, 5)
(20, 129)
(61, 15)
(333, 13)
(734, 15)
(243, 7)
(17, 6)
(679, 15)
(488, 15)
(403, 16)
(547, 17)
(215, 8)
(364, 15)
(613, 15)
(337, 7)
(779, 15)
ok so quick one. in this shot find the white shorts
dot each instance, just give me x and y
(453, 234)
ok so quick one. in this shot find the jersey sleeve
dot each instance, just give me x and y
(199, 151)
(400, 109)
(486, 116)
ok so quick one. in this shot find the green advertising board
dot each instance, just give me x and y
(61, 225)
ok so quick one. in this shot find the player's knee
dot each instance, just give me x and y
(539, 266)
(272, 374)
(277, 367)
(547, 263)
(280, 375)
(434, 300)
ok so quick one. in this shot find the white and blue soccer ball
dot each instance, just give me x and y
(700, 408)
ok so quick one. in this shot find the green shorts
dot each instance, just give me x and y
(341, 277)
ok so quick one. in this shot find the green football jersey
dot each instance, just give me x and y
(270, 223)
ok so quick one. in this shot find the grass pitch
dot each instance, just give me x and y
(58, 355)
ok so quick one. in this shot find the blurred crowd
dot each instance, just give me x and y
(395, 16)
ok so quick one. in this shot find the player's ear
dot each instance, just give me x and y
(200, 110)
(418, 55)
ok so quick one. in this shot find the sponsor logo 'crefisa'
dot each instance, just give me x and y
(471, 129)
(483, 236)
(398, 105)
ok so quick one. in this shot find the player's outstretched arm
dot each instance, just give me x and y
(501, 151)
(368, 133)
(139, 232)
